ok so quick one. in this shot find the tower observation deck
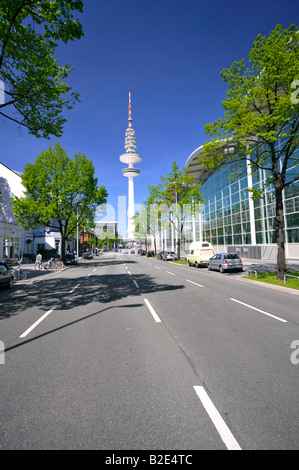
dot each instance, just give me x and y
(130, 158)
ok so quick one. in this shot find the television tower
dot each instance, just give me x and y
(130, 157)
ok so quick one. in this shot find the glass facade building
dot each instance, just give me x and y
(231, 219)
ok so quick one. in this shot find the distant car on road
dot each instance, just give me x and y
(125, 252)
(225, 262)
(6, 275)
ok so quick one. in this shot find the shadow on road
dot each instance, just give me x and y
(78, 291)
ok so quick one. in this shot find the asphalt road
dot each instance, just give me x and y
(126, 352)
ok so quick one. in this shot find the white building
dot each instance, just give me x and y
(16, 242)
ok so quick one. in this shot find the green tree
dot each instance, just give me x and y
(261, 119)
(177, 197)
(59, 193)
(106, 238)
(141, 222)
(35, 91)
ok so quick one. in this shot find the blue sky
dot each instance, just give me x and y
(169, 54)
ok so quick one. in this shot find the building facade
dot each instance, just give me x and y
(232, 220)
(16, 242)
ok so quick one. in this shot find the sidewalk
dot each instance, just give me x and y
(33, 275)
(262, 266)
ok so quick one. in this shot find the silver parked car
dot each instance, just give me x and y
(225, 262)
(169, 256)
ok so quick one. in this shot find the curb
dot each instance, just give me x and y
(287, 290)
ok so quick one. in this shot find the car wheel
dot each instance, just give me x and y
(189, 263)
(221, 269)
(196, 264)
(209, 267)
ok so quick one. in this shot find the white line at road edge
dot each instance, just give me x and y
(258, 310)
(157, 319)
(192, 282)
(217, 419)
(36, 323)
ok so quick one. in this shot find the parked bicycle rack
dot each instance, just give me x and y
(288, 275)
(251, 271)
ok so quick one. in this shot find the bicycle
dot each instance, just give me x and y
(39, 265)
(54, 264)
(48, 265)
(19, 274)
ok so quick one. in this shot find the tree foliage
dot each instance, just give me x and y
(176, 197)
(261, 119)
(59, 193)
(35, 91)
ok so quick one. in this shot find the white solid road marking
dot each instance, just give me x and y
(157, 319)
(36, 323)
(192, 282)
(258, 310)
(76, 287)
(157, 267)
(217, 419)
(170, 273)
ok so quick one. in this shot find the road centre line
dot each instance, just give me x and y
(157, 267)
(135, 283)
(157, 319)
(258, 310)
(192, 282)
(36, 323)
(217, 419)
(129, 273)
(170, 273)
(94, 269)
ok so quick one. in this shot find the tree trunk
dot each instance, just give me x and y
(281, 264)
(179, 249)
(63, 248)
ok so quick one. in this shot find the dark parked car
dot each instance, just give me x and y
(225, 262)
(71, 258)
(150, 254)
(6, 275)
(87, 255)
(160, 254)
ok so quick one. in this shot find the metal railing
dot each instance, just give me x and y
(288, 275)
(251, 271)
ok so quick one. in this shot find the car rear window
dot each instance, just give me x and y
(231, 256)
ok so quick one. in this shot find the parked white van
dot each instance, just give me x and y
(199, 253)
